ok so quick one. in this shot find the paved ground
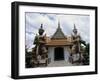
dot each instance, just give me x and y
(63, 63)
(60, 63)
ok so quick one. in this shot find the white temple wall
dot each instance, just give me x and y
(51, 54)
(66, 54)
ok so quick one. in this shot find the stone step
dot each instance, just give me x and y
(59, 63)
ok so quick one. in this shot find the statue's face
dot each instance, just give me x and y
(75, 31)
(41, 31)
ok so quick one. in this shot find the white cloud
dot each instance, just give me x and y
(50, 23)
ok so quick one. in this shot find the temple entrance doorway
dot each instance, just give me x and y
(58, 54)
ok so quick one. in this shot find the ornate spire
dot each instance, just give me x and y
(41, 26)
(75, 30)
(59, 24)
(58, 34)
(75, 27)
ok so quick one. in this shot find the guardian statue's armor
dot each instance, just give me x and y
(40, 50)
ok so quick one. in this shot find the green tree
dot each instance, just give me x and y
(86, 55)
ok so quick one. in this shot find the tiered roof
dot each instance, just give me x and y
(59, 39)
(58, 34)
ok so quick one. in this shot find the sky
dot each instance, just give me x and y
(33, 22)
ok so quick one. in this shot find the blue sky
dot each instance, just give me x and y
(50, 24)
